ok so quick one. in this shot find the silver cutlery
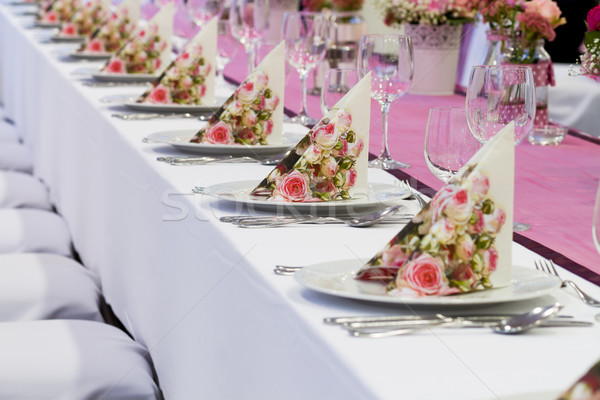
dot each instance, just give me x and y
(415, 194)
(149, 116)
(113, 84)
(286, 269)
(204, 160)
(548, 267)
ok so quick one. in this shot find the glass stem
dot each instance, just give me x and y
(304, 111)
(251, 58)
(385, 108)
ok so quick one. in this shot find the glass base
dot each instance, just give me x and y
(316, 91)
(387, 163)
(305, 120)
(520, 227)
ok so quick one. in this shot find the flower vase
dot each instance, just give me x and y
(536, 57)
(494, 47)
(435, 53)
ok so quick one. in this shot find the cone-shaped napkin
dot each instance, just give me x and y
(462, 240)
(330, 162)
(253, 115)
(190, 79)
(86, 19)
(149, 50)
(115, 31)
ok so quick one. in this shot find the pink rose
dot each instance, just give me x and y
(354, 149)
(51, 17)
(249, 118)
(350, 178)
(394, 256)
(313, 154)
(160, 95)
(493, 222)
(219, 133)
(68, 29)
(326, 136)
(247, 135)
(425, 275)
(293, 186)
(116, 66)
(329, 167)
(490, 258)
(465, 247)
(453, 202)
(593, 19)
(157, 63)
(202, 90)
(477, 227)
(478, 186)
(344, 119)
(235, 108)
(261, 80)
(187, 82)
(246, 93)
(141, 56)
(268, 126)
(95, 45)
(444, 231)
(173, 73)
(547, 9)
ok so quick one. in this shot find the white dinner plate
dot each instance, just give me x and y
(109, 77)
(89, 55)
(67, 38)
(337, 279)
(175, 108)
(180, 139)
(48, 25)
(378, 196)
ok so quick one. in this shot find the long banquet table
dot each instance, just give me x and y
(201, 294)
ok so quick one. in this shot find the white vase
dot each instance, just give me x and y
(435, 52)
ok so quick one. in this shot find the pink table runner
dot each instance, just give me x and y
(555, 186)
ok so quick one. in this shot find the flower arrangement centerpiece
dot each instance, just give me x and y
(58, 12)
(86, 19)
(246, 117)
(426, 12)
(334, 5)
(141, 55)
(590, 60)
(461, 241)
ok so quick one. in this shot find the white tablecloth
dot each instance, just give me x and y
(201, 294)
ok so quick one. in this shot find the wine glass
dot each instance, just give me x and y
(227, 47)
(202, 11)
(306, 39)
(337, 82)
(449, 143)
(249, 21)
(497, 95)
(389, 58)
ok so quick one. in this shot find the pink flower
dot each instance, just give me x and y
(350, 178)
(219, 133)
(187, 82)
(424, 275)
(326, 136)
(536, 24)
(116, 66)
(344, 119)
(547, 9)
(51, 17)
(465, 247)
(354, 149)
(490, 257)
(247, 135)
(329, 167)
(477, 227)
(313, 154)
(268, 126)
(95, 45)
(261, 79)
(494, 222)
(478, 185)
(453, 202)
(593, 19)
(293, 186)
(249, 118)
(68, 29)
(246, 93)
(394, 256)
(160, 95)
(444, 231)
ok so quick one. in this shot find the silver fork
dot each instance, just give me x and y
(415, 194)
(286, 269)
(548, 267)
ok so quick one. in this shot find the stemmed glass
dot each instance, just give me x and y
(596, 221)
(497, 95)
(227, 47)
(306, 39)
(337, 82)
(249, 21)
(449, 143)
(202, 11)
(389, 58)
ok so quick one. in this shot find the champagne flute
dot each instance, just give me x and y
(306, 39)
(337, 82)
(202, 11)
(227, 47)
(249, 21)
(389, 58)
(449, 143)
(496, 96)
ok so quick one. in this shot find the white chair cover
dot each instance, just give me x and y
(24, 230)
(72, 360)
(15, 157)
(18, 189)
(8, 132)
(46, 286)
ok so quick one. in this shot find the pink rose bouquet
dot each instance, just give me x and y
(141, 55)
(323, 160)
(590, 60)
(426, 12)
(59, 11)
(248, 112)
(86, 19)
(184, 81)
(448, 248)
(111, 36)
